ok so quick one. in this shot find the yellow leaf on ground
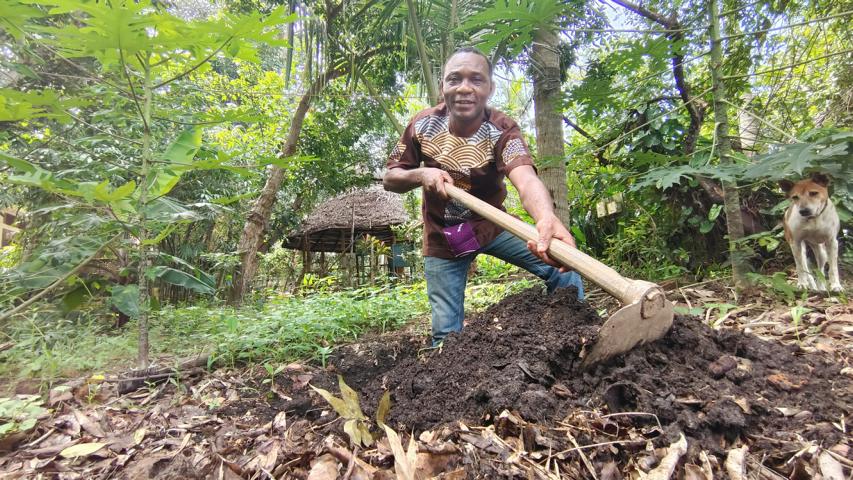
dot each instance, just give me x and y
(81, 450)
(139, 435)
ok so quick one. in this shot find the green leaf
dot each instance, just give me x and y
(126, 299)
(27, 424)
(163, 182)
(579, 235)
(184, 148)
(181, 279)
(681, 310)
(103, 193)
(18, 163)
(714, 212)
(74, 298)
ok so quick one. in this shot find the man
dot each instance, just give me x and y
(464, 143)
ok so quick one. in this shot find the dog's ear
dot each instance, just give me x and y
(786, 185)
(820, 179)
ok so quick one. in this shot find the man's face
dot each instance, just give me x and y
(466, 87)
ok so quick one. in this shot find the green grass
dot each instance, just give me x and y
(274, 329)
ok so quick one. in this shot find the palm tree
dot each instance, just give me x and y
(334, 46)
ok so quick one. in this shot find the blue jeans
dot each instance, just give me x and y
(446, 279)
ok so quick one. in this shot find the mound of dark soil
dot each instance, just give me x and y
(523, 355)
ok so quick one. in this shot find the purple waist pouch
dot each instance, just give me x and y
(461, 239)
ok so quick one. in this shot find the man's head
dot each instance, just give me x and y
(466, 85)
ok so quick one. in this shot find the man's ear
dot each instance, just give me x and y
(786, 185)
(492, 89)
(820, 179)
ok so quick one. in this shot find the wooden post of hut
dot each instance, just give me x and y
(353, 281)
(348, 217)
(323, 268)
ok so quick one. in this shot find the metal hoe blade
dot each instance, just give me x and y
(643, 321)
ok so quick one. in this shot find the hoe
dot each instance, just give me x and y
(646, 314)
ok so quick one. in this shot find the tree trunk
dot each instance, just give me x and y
(144, 249)
(549, 127)
(258, 218)
(734, 220)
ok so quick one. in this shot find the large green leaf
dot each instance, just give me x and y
(178, 157)
(126, 299)
(181, 152)
(19, 106)
(182, 279)
(201, 274)
(17, 15)
(832, 154)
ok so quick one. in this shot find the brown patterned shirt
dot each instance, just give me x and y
(478, 165)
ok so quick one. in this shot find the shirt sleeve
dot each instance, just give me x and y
(511, 150)
(405, 154)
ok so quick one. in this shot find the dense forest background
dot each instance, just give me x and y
(155, 154)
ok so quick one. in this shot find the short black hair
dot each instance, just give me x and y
(475, 51)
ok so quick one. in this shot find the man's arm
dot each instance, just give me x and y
(537, 201)
(401, 180)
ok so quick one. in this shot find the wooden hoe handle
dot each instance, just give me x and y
(625, 289)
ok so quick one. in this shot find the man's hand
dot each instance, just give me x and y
(550, 227)
(433, 180)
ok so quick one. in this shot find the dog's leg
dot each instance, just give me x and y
(819, 250)
(801, 259)
(832, 251)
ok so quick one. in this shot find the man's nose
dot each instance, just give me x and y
(465, 86)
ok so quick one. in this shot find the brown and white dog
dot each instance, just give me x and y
(812, 220)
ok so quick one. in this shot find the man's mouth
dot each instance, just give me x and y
(464, 102)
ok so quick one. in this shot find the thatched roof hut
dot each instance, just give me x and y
(333, 225)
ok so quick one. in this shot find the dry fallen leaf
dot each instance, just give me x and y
(404, 460)
(788, 412)
(279, 423)
(88, 424)
(743, 403)
(670, 460)
(325, 467)
(735, 464)
(694, 472)
(830, 468)
(610, 471)
(782, 382)
(59, 394)
(429, 465)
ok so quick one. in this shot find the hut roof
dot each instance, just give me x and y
(331, 226)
